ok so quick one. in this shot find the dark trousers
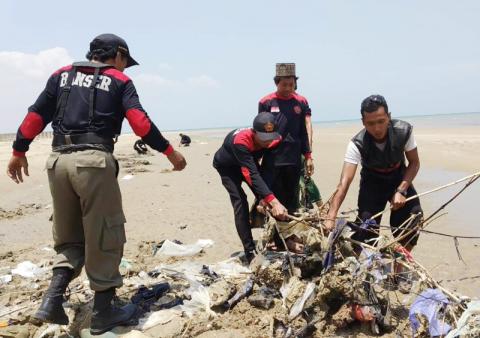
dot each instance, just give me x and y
(284, 182)
(376, 190)
(232, 179)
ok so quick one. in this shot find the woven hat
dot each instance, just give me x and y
(285, 69)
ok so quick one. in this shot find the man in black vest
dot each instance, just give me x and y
(381, 148)
(86, 102)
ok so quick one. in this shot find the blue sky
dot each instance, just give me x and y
(207, 63)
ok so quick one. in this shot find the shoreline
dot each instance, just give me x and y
(414, 118)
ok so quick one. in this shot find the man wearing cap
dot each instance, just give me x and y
(237, 161)
(185, 140)
(381, 148)
(282, 166)
(87, 103)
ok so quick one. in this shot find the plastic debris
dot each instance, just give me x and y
(49, 330)
(145, 297)
(429, 303)
(469, 322)
(127, 177)
(135, 334)
(125, 264)
(5, 279)
(231, 268)
(170, 248)
(245, 291)
(300, 303)
(220, 292)
(263, 298)
(158, 318)
(85, 333)
(329, 258)
(199, 300)
(28, 270)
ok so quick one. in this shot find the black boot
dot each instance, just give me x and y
(51, 310)
(106, 316)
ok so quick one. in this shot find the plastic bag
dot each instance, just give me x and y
(297, 307)
(230, 268)
(152, 319)
(469, 322)
(170, 248)
(28, 270)
(5, 279)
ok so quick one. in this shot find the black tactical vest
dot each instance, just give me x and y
(393, 156)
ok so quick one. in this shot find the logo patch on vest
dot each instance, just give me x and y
(275, 109)
(297, 109)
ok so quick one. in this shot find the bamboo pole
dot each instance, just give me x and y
(430, 191)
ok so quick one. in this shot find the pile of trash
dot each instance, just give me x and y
(335, 287)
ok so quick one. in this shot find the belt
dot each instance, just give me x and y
(81, 139)
(386, 170)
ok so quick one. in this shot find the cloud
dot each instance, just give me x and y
(202, 81)
(156, 80)
(24, 75)
(37, 65)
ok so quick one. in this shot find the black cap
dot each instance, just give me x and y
(265, 126)
(113, 42)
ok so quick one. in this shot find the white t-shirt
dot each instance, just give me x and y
(353, 154)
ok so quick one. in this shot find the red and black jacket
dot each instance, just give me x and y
(290, 116)
(239, 150)
(115, 99)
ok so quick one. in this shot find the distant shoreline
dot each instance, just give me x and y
(48, 134)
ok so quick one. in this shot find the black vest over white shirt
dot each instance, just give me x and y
(392, 156)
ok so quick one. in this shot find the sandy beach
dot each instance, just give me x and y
(160, 204)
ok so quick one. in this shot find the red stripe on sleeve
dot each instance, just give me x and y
(307, 155)
(169, 150)
(138, 121)
(245, 138)
(32, 125)
(269, 198)
(246, 174)
(18, 153)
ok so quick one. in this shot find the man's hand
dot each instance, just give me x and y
(177, 160)
(278, 210)
(14, 169)
(330, 224)
(309, 166)
(398, 201)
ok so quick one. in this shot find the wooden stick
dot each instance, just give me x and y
(438, 286)
(361, 244)
(429, 192)
(401, 236)
(289, 257)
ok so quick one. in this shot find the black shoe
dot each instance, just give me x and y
(51, 309)
(249, 256)
(106, 316)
